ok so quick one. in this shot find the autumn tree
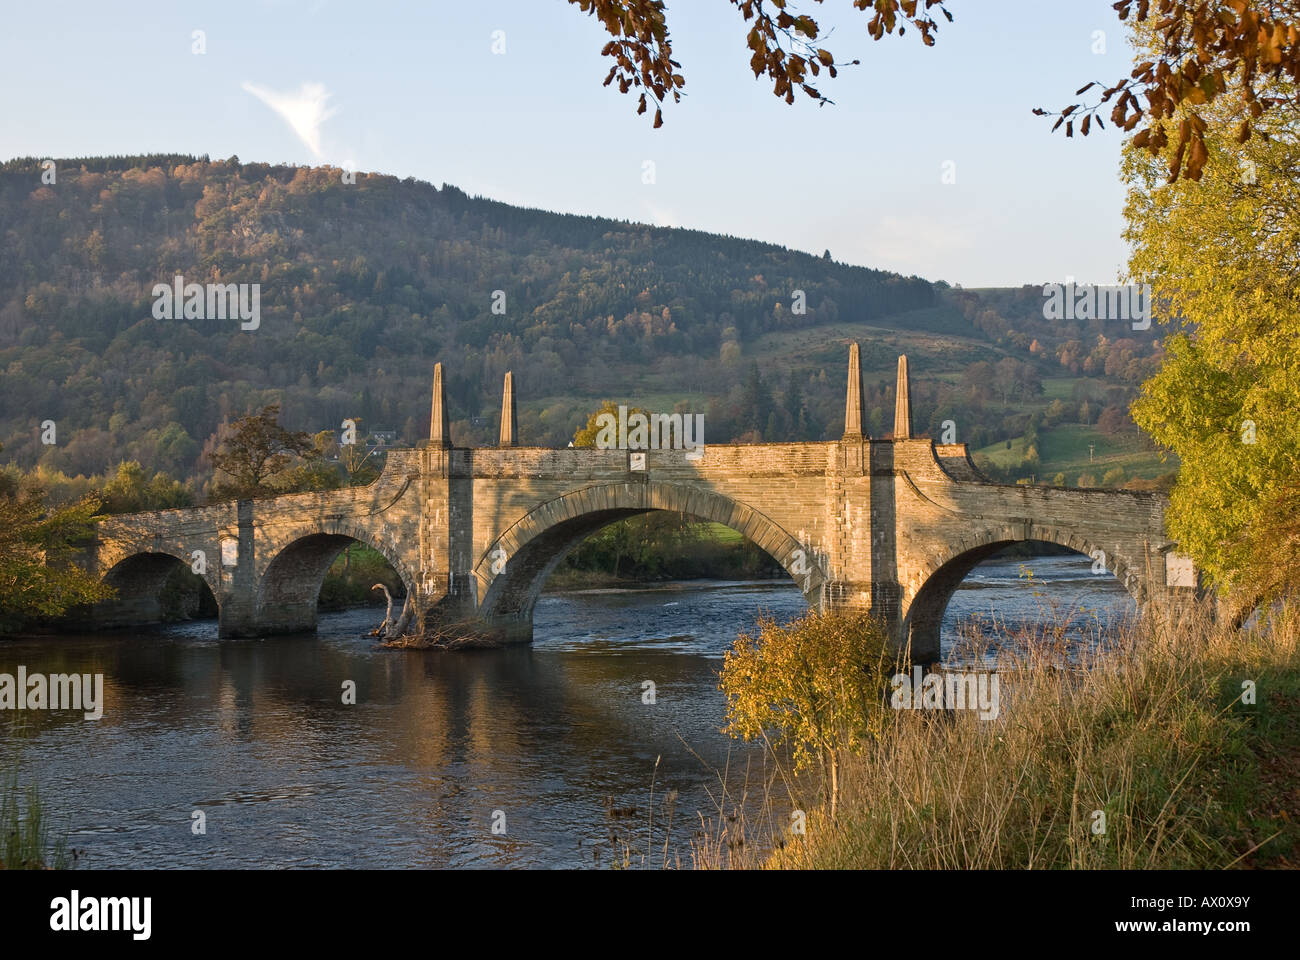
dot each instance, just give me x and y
(256, 454)
(586, 435)
(816, 684)
(1223, 258)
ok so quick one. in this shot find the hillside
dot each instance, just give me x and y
(364, 285)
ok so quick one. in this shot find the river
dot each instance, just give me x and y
(549, 755)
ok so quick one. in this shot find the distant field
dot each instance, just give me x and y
(915, 335)
(1059, 388)
(1064, 449)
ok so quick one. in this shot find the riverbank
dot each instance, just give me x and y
(1172, 748)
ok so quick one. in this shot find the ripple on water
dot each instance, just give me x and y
(553, 736)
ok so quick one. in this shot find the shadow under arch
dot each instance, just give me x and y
(923, 614)
(288, 589)
(511, 572)
(139, 579)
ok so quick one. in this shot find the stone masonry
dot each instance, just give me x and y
(886, 525)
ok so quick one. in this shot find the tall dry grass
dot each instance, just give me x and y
(1149, 729)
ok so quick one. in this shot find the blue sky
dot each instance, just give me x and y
(414, 89)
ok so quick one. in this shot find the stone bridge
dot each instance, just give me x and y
(888, 525)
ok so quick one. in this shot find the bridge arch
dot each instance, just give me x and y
(511, 571)
(297, 559)
(138, 572)
(925, 603)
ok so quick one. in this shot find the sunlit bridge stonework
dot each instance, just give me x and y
(891, 525)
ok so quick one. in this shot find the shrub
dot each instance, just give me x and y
(816, 684)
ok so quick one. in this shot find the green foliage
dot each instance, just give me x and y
(816, 683)
(130, 492)
(1222, 256)
(1072, 449)
(38, 579)
(352, 576)
(363, 287)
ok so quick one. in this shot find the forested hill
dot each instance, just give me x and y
(363, 286)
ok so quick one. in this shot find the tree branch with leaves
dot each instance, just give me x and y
(1205, 48)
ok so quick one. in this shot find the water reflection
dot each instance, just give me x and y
(554, 742)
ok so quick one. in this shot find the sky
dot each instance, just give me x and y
(417, 89)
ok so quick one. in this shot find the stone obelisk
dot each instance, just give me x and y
(853, 399)
(903, 403)
(508, 437)
(439, 425)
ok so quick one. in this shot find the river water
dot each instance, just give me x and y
(542, 756)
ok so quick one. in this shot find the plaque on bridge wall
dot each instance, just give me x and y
(229, 552)
(636, 461)
(1179, 571)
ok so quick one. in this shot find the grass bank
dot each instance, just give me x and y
(26, 841)
(1174, 747)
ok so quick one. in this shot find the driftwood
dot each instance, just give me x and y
(458, 635)
(399, 627)
(384, 628)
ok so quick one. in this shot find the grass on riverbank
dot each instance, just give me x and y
(25, 842)
(1154, 732)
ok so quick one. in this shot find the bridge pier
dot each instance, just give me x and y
(136, 611)
(237, 619)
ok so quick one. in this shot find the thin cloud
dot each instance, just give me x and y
(663, 217)
(304, 110)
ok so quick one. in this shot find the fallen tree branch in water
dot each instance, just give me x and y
(459, 635)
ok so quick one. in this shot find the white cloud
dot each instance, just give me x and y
(304, 110)
(662, 216)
